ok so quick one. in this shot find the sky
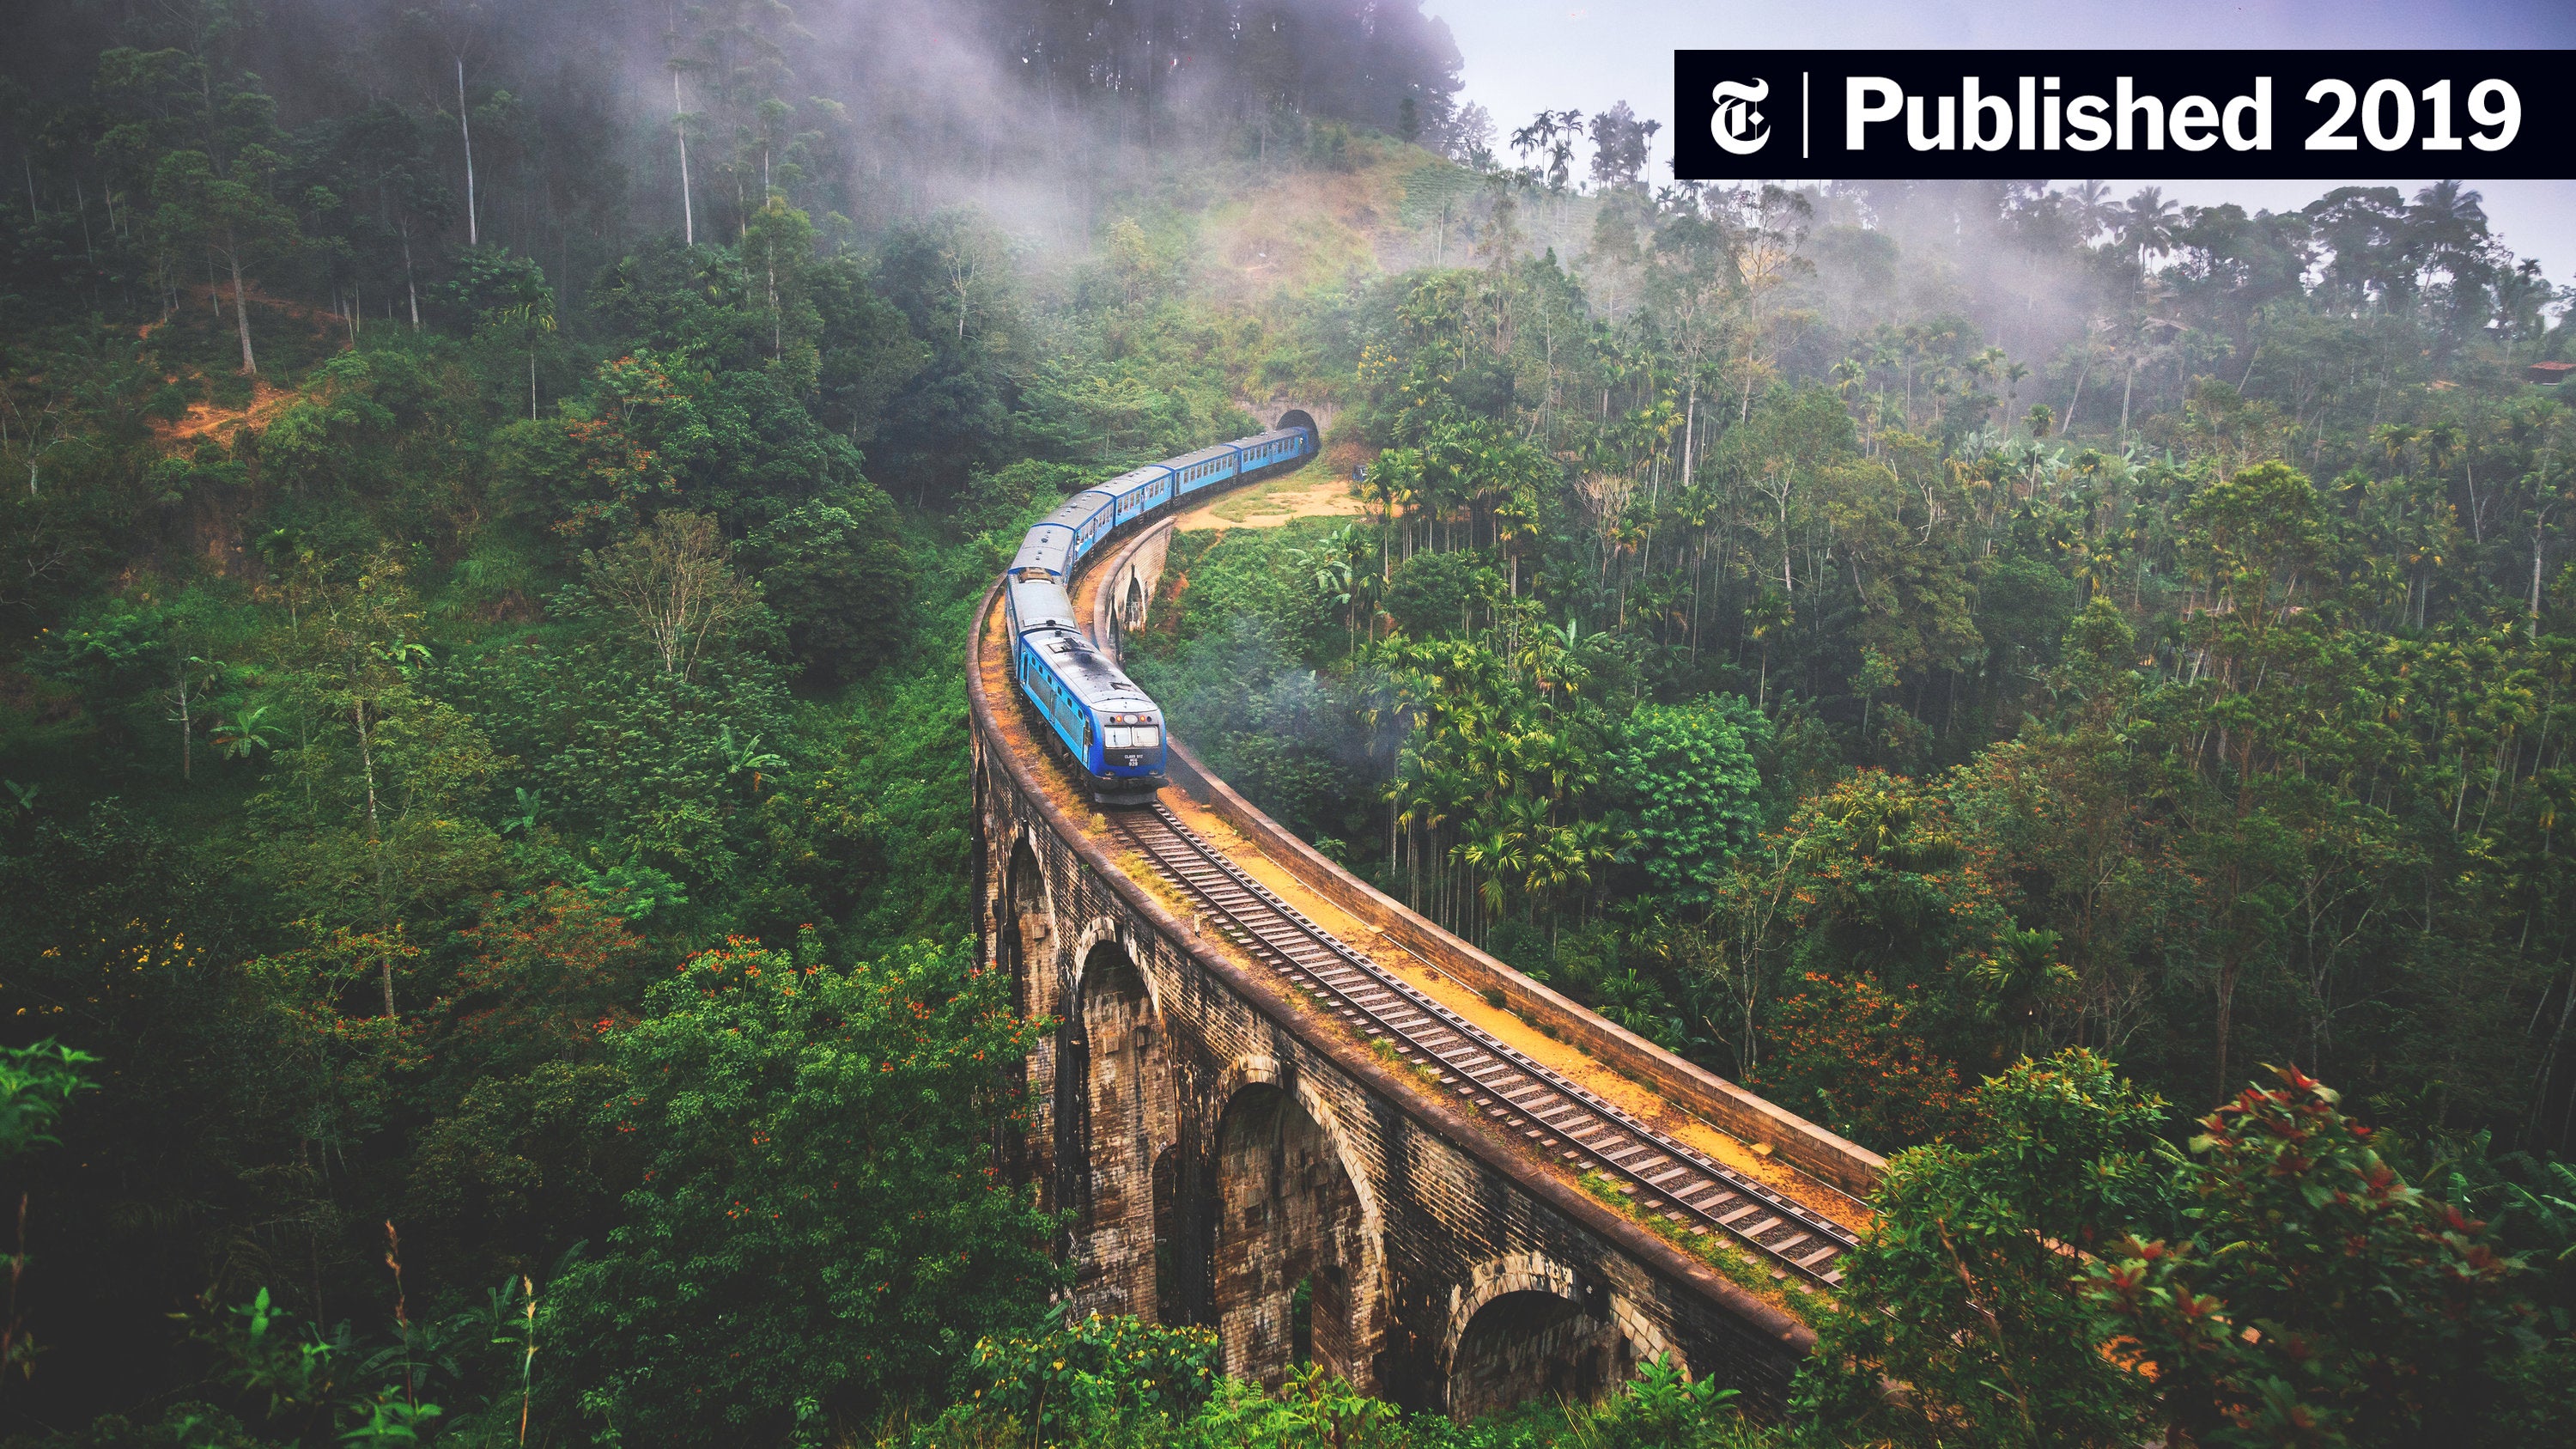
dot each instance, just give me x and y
(1523, 55)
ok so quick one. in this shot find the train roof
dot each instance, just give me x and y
(1078, 510)
(1203, 455)
(1044, 547)
(1041, 603)
(1133, 479)
(1089, 674)
(1270, 435)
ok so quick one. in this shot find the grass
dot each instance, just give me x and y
(1388, 1052)
(1270, 495)
(1732, 1263)
(1142, 871)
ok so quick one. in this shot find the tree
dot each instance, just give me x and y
(672, 581)
(841, 579)
(1689, 773)
(216, 196)
(372, 811)
(459, 25)
(2317, 1298)
(1960, 1294)
(1850, 1054)
(1869, 877)
(2146, 225)
(36, 1084)
(1621, 147)
(1083, 1382)
(819, 1222)
(507, 298)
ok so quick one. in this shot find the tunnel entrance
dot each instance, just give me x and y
(1300, 418)
(1287, 1220)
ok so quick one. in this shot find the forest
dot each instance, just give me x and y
(2068, 690)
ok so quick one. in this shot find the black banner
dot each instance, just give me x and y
(2219, 114)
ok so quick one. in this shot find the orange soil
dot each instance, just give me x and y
(202, 418)
(267, 399)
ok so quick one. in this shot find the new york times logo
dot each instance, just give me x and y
(2202, 114)
(1736, 127)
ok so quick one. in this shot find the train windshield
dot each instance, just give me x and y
(1133, 737)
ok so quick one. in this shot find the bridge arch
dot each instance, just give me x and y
(1109, 931)
(1524, 1325)
(1128, 1111)
(1258, 1069)
(1024, 918)
(1298, 1252)
(1528, 1326)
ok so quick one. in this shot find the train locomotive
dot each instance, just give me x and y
(1082, 705)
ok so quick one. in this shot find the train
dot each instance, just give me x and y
(1083, 705)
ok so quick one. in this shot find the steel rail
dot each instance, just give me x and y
(1551, 1114)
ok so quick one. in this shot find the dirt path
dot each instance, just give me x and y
(1310, 492)
(202, 418)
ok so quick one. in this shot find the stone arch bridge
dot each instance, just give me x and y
(1236, 1158)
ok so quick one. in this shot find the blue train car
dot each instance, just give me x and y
(1270, 449)
(1035, 601)
(1139, 492)
(1086, 709)
(1206, 468)
(1094, 715)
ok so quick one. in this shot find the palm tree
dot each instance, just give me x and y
(1339, 580)
(2447, 229)
(1983, 366)
(1497, 853)
(2147, 225)
(2020, 980)
(2093, 209)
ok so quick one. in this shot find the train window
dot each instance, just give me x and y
(1144, 737)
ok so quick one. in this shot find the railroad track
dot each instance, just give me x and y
(1553, 1115)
